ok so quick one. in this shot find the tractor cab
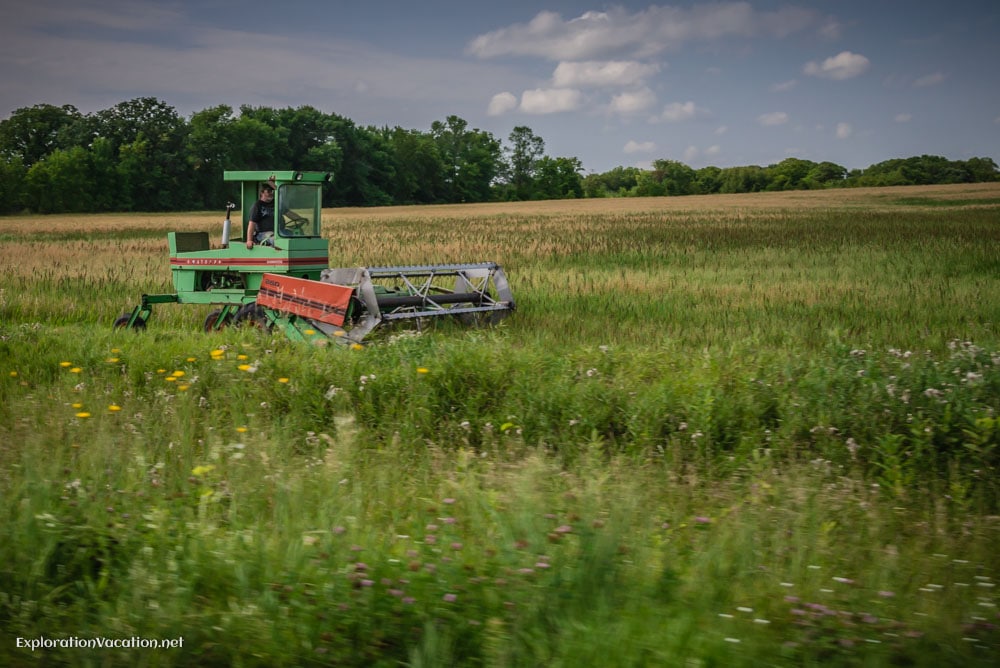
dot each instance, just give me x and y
(297, 203)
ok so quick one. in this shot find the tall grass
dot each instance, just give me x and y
(727, 432)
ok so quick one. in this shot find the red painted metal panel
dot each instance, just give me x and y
(315, 300)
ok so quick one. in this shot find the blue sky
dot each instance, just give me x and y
(720, 83)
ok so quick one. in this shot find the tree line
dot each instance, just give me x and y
(141, 155)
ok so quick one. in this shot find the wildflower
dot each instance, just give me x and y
(282, 380)
(83, 415)
(843, 580)
(182, 388)
(702, 520)
(13, 374)
(449, 598)
(192, 359)
(241, 356)
(448, 501)
(199, 471)
(112, 360)
(65, 364)
(76, 369)
(241, 430)
(114, 408)
(177, 374)
(76, 405)
(422, 369)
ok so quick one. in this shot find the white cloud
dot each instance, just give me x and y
(679, 111)
(844, 65)
(713, 150)
(550, 100)
(593, 73)
(929, 80)
(690, 153)
(641, 33)
(844, 130)
(721, 130)
(784, 86)
(631, 102)
(633, 146)
(773, 118)
(903, 118)
(501, 103)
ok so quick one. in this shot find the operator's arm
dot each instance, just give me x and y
(251, 231)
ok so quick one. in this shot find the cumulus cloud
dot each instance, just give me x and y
(844, 130)
(593, 73)
(679, 111)
(633, 146)
(501, 103)
(640, 33)
(713, 150)
(929, 80)
(721, 130)
(844, 65)
(631, 102)
(773, 118)
(903, 118)
(550, 100)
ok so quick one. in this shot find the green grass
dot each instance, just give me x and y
(720, 437)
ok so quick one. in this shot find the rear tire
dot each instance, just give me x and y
(210, 320)
(122, 323)
(252, 315)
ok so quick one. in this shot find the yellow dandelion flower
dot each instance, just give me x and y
(177, 374)
(202, 470)
(170, 379)
(422, 369)
(161, 371)
(217, 353)
(83, 414)
(192, 359)
(115, 351)
(244, 367)
(114, 408)
(310, 332)
(65, 364)
(13, 374)
(77, 405)
(357, 346)
(182, 388)
(241, 356)
(112, 360)
(76, 369)
(241, 430)
(282, 380)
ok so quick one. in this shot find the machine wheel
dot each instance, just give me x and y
(252, 315)
(212, 317)
(122, 322)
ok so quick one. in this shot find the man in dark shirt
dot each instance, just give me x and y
(261, 226)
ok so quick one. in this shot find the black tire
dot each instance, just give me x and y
(122, 323)
(252, 315)
(210, 321)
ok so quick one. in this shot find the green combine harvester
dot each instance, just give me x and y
(286, 282)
